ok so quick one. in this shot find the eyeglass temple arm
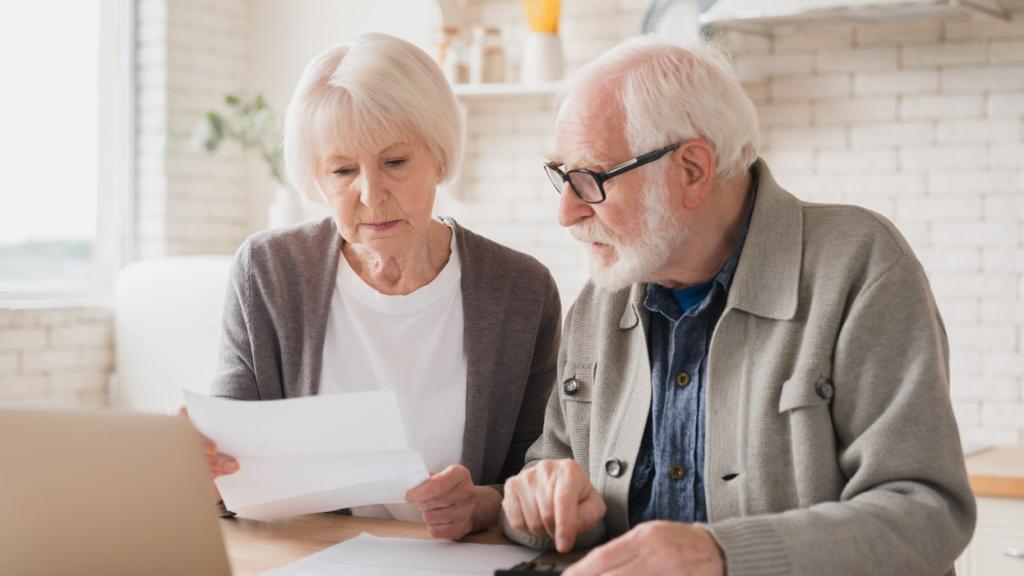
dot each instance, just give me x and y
(641, 160)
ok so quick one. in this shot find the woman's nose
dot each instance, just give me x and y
(371, 188)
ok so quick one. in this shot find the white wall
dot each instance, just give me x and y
(190, 54)
(286, 35)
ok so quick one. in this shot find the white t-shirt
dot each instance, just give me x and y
(411, 344)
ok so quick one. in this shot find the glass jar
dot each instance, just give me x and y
(486, 56)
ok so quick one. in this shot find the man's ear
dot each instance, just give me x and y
(694, 169)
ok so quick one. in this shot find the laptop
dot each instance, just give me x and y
(105, 493)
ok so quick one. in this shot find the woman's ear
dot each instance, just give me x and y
(695, 165)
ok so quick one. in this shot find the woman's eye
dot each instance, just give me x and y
(396, 162)
(344, 171)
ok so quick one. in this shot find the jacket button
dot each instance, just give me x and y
(682, 380)
(824, 388)
(676, 472)
(614, 467)
(571, 386)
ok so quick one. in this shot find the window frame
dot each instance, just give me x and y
(113, 244)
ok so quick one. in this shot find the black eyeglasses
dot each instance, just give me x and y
(589, 185)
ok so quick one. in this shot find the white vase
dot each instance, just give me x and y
(542, 58)
(286, 209)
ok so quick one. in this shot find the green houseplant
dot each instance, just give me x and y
(253, 124)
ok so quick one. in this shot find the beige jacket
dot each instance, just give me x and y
(831, 446)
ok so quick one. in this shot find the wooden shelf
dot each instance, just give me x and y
(469, 91)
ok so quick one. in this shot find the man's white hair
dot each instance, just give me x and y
(672, 92)
(363, 96)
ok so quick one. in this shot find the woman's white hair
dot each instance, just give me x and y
(672, 92)
(363, 96)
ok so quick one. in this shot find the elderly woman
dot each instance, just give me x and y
(383, 295)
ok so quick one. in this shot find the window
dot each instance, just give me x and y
(64, 142)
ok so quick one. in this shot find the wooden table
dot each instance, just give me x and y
(254, 547)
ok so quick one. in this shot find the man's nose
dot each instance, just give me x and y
(571, 210)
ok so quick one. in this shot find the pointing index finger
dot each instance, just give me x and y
(566, 499)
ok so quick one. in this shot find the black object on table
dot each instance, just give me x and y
(532, 567)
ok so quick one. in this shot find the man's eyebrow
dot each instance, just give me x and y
(586, 160)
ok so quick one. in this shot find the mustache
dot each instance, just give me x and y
(590, 230)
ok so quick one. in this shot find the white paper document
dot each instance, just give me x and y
(368, 555)
(309, 454)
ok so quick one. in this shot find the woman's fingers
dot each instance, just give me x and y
(221, 464)
(217, 464)
(447, 515)
(452, 522)
(181, 410)
(452, 530)
(208, 446)
(446, 483)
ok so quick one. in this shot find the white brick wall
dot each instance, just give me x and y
(191, 53)
(55, 356)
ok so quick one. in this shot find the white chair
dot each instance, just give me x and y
(167, 316)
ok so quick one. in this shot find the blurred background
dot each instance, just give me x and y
(138, 142)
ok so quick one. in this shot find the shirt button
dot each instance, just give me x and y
(571, 386)
(824, 388)
(676, 472)
(614, 467)
(682, 380)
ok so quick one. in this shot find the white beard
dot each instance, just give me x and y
(639, 259)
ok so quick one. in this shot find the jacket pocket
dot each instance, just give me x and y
(575, 390)
(806, 390)
(577, 382)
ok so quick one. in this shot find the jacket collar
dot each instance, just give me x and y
(767, 278)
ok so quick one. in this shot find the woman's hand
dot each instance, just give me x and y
(452, 506)
(217, 464)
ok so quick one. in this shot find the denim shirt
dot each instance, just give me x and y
(668, 480)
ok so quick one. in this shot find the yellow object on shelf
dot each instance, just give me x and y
(542, 15)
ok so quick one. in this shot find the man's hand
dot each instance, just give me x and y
(452, 506)
(553, 499)
(655, 548)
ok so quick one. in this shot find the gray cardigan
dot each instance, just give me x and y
(275, 321)
(831, 446)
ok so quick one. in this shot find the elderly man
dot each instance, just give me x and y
(750, 383)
